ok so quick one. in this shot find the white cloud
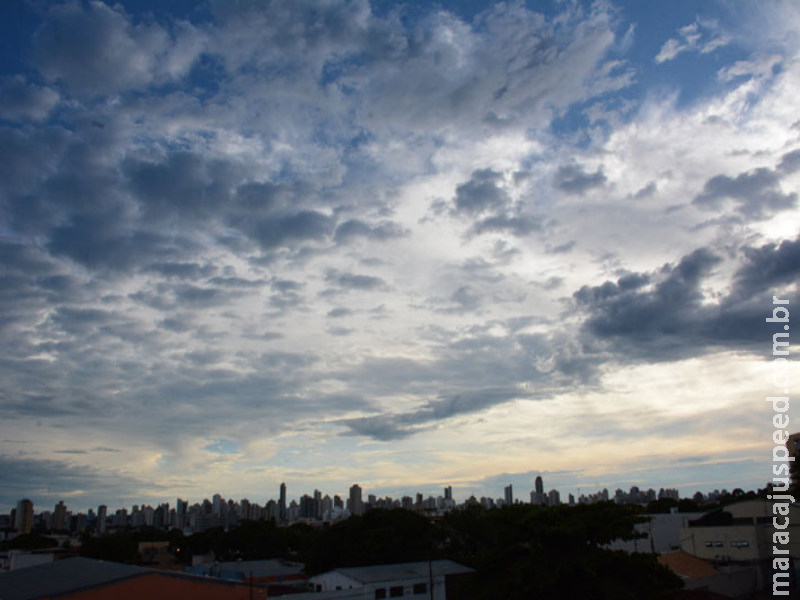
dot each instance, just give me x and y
(702, 36)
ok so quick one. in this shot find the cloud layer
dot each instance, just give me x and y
(308, 241)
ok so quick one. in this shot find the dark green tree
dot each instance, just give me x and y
(378, 537)
(524, 551)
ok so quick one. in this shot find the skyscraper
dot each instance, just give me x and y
(317, 504)
(60, 516)
(102, 513)
(181, 506)
(24, 517)
(307, 509)
(216, 504)
(448, 493)
(356, 504)
(282, 503)
(537, 495)
(509, 495)
(793, 447)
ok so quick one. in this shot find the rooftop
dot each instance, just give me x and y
(415, 570)
(687, 566)
(62, 576)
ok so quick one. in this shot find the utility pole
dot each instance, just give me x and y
(430, 576)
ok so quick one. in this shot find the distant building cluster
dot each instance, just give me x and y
(309, 508)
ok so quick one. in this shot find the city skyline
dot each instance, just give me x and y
(352, 505)
(282, 499)
(409, 245)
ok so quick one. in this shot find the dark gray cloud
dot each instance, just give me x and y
(355, 281)
(481, 269)
(197, 296)
(49, 481)
(646, 192)
(95, 49)
(662, 319)
(770, 267)
(481, 194)
(29, 156)
(355, 228)
(302, 37)
(185, 184)
(204, 358)
(289, 230)
(22, 100)
(665, 315)
(236, 282)
(101, 241)
(574, 179)
(561, 248)
(182, 270)
(340, 331)
(757, 193)
(484, 199)
(474, 373)
(464, 299)
(178, 323)
(551, 283)
(261, 197)
(517, 225)
(79, 320)
(287, 294)
(387, 427)
(790, 162)
(25, 258)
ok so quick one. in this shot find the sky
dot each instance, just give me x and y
(405, 245)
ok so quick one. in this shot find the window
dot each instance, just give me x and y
(741, 544)
(396, 591)
(420, 588)
(380, 593)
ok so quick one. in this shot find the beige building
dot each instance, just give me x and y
(741, 535)
(746, 537)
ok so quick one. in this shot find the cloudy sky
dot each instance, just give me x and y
(407, 245)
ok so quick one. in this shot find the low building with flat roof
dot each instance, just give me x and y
(89, 579)
(438, 579)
